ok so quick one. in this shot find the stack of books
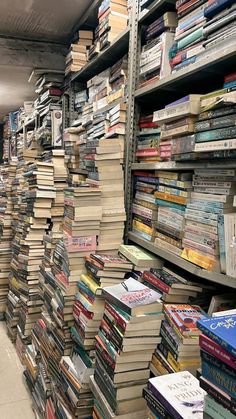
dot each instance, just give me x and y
(215, 127)
(177, 121)
(173, 287)
(118, 81)
(219, 27)
(210, 202)
(6, 209)
(72, 156)
(179, 348)
(148, 140)
(128, 335)
(218, 372)
(159, 38)
(77, 57)
(113, 19)
(176, 395)
(102, 271)
(189, 37)
(140, 258)
(144, 208)
(172, 195)
(49, 89)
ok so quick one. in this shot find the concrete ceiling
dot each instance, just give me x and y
(33, 34)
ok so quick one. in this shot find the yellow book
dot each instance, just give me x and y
(171, 198)
(181, 366)
(90, 283)
(199, 259)
(142, 227)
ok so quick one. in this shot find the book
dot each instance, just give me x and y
(133, 297)
(184, 317)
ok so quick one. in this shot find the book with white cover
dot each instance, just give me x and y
(180, 394)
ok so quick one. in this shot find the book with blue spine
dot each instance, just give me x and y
(216, 7)
(218, 378)
(221, 330)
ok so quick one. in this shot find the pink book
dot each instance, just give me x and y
(81, 244)
(216, 350)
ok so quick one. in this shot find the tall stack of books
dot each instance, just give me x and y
(159, 38)
(77, 57)
(218, 372)
(172, 195)
(28, 249)
(148, 140)
(6, 208)
(189, 36)
(144, 208)
(219, 27)
(176, 395)
(177, 121)
(113, 19)
(72, 155)
(102, 271)
(179, 348)
(128, 335)
(210, 202)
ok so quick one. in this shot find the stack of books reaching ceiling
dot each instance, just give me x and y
(28, 250)
(218, 371)
(113, 19)
(177, 395)
(7, 173)
(77, 57)
(154, 59)
(102, 271)
(177, 121)
(179, 347)
(148, 140)
(128, 334)
(189, 36)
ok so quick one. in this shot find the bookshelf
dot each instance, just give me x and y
(194, 78)
(215, 277)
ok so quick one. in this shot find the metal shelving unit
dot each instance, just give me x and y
(193, 79)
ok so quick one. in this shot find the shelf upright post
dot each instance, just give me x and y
(131, 111)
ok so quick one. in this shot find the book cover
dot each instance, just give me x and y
(184, 317)
(131, 295)
(221, 330)
(216, 350)
(180, 394)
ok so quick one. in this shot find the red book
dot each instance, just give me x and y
(148, 125)
(230, 77)
(216, 350)
(143, 174)
(186, 6)
(148, 152)
(152, 279)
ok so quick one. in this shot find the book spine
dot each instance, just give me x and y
(221, 234)
(153, 403)
(218, 395)
(216, 350)
(218, 378)
(217, 339)
(147, 276)
(217, 134)
(168, 406)
(231, 373)
(216, 410)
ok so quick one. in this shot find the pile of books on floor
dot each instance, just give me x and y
(218, 372)
(128, 334)
(177, 395)
(148, 140)
(159, 38)
(179, 348)
(77, 57)
(206, 241)
(7, 173)
(113, 19)
(189, 35)
(102, 271)
(177, 121)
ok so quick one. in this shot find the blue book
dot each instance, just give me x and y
(185, 63)
(230, 84)
(216, 7)
(163, 203)
(217, 377)
(221, 330)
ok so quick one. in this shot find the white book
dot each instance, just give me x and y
(230, 243)
(216, 145)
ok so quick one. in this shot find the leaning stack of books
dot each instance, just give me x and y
(210, 203)
(144, 208)
(128, 335)
(179, 348)
(177, 121)
(219, 27)
(77, 57)
(154, 60)
(218, 371)
(189, 37)
(172, 195)
(173, 287)
(113, 19)
(148, 140)
(177, 395)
